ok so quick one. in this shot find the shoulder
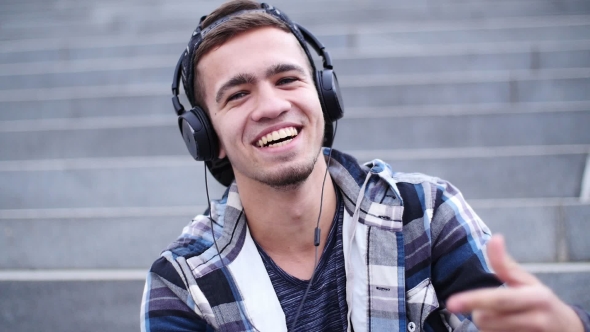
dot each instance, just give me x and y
(419, 192)
(352, 168)
(429, 191)
(194, 239)
(197, 236)
(425, 196)
(437, 199)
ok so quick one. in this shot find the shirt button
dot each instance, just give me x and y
(411, 327)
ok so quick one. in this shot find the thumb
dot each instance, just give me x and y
(505, 267)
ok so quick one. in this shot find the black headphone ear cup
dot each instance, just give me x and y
(198, 135)
(330, 94)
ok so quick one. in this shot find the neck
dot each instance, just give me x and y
(283, 220)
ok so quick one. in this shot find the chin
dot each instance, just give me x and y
(289, 177)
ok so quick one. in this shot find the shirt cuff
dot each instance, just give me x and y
(584, 317)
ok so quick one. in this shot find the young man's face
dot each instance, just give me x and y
(259, 91)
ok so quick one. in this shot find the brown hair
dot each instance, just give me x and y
(232, 27)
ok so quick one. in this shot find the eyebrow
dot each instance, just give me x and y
(244, 78)
(238, 79)
(283, 67)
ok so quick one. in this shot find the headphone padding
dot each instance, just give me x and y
(198, 135)
(330, 94)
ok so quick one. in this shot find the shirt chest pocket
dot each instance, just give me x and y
(420, 302)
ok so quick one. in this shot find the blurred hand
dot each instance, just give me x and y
(525, 305)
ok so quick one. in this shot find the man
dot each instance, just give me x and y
(392, 250)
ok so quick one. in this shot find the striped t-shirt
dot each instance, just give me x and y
(325, 307)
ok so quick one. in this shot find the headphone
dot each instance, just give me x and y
(196, 128)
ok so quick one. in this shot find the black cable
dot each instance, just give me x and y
(317, 233)
(316, 238)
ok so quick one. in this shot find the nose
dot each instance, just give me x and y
(270, 103)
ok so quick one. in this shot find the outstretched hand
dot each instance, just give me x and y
(524, 305)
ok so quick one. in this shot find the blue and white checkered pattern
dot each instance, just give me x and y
(409, 242)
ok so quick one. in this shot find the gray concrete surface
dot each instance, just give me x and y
(492, 96)
(394, 132)
(144, 185)
(70, 306)
(116, 242)
(100, 72)
(114, 305)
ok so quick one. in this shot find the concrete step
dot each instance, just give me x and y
(40, 6)
(95, 305)
(436, 60)
(133, 19)
(114, 304)
(118, 182)
(503, 177)
(385, 38)
(151, 101)
(572, 27)
(147, 68)
(510, 86)
(100, 243)
(481, 130)
(543, 230)
(177, 180)
(474, 57)
(89, 78)
(139, 105)
(126, 136)
(536, 230)
(439, 33)
(466, 88)
(22, 51)
(151, 52)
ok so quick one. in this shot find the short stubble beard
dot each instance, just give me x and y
(291, 178)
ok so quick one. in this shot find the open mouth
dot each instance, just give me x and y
(278, 137)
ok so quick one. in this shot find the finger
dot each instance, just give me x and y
(520, 321)
(506, 268)
(501, 300)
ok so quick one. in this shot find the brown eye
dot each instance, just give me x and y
(286, 80)
(236, 96)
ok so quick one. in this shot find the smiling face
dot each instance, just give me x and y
(264, 106)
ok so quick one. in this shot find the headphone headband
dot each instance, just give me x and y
(317, 46)
(187, 68)
(178, 108)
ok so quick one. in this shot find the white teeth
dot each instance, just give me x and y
(277, 135)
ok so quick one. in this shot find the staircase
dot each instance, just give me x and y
(95, 180)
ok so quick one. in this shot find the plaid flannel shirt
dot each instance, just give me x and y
(409, 241)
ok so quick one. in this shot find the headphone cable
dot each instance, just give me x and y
(317, 233)
(316, 238)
